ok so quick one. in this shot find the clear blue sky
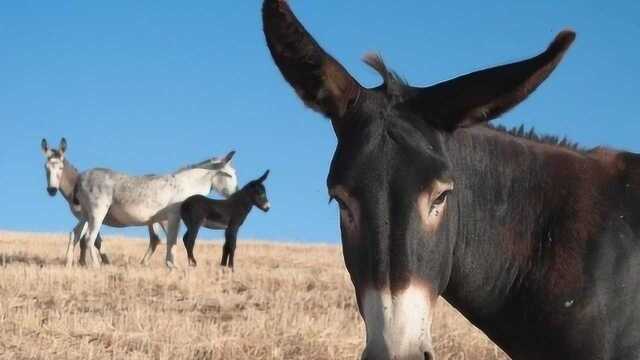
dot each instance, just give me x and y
(147, 86)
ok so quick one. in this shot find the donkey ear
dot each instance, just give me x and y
(264, 176)
(63, 145)
(44, 146)
(228, 157)
(320, 81)
(484, 95)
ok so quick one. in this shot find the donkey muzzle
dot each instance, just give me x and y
(399, 324)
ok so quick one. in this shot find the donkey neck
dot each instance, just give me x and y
(515, 213)
(68, 180)
(241, 200)
(195, 180)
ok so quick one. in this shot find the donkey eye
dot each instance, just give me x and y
(344, 209)
(441, 198)
(341, 204)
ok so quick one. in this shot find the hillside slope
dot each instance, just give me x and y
(282, 302)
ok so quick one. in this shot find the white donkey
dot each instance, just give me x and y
(62, 176)
(144, 200)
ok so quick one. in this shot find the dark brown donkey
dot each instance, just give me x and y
(228, 214)
(537, 244)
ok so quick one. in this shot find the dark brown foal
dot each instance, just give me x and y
(228, 214)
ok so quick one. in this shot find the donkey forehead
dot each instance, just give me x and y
(377, 116)
(54, 160)
(228, 168)
(260, 190)
(388, 151)
(54, 154)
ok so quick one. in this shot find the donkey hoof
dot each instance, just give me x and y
(105, 259)
(171, 265)
(226, 269)
(192, 263)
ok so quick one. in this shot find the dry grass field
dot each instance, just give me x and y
(282, 302)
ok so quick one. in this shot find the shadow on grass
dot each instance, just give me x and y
(27, 259)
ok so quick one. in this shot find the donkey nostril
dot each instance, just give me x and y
(428, 356)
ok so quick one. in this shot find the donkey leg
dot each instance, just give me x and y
(164, 224)
(74, 237)
(95, 222)
(189, 240)
(69, 253)
(154, 241)
(225, 253)
(83, 250)
(103, 256)
(94, 228)
(82, 239)
(232, 253)
(232, 246)
(172, 238)
(229, 242)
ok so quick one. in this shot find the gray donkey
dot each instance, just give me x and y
(143, 200)
(62, 175)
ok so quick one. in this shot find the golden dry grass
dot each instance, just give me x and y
(283, 302)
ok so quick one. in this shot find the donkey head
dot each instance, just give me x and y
(391, 174)
(54, 164)
(257, 193)
(224, 178)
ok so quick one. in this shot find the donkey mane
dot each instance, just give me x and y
(69, 166)
(521, 132)
(394, 84)
(209, 164)
(392, 81)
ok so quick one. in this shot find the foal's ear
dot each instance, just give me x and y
(44, 146)
(486, 94)
(228, 157)
(63, 145)
(318, 79)
(264, 176)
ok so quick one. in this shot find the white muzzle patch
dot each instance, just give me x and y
(398, 325)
